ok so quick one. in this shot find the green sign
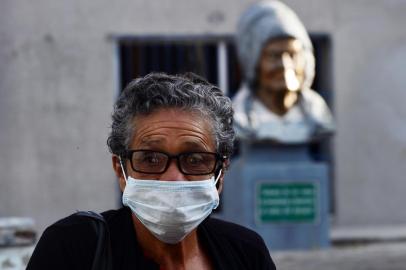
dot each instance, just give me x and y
(286, 202)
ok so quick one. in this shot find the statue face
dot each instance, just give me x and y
(281, 66)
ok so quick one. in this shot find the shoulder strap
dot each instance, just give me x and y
(103, 256)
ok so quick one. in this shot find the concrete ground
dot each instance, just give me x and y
(365, 248)
(382, 248)
(373, 256)
(382, 256)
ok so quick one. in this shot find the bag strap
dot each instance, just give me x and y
(103, 257)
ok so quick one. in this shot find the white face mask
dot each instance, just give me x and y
(170, 210)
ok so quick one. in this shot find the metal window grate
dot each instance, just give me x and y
(213, 58)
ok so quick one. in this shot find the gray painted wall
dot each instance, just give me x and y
(58, 82)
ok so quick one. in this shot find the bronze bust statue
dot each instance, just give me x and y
(275, 101)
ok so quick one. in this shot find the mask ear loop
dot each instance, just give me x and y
(220, 171)
(218, 177)
(122, 168)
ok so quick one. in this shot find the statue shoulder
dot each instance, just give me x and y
(318, 110)
(242, 125)
(313, 98)
(241, 97)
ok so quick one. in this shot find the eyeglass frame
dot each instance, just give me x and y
(127, 154)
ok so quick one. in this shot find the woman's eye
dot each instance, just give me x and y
(195, 159)
(152, 159)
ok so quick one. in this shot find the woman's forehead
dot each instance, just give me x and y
(172, 126)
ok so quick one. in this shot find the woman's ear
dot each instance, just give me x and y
(224, 167)
(226, 164)
(220, 184)
(118, 171)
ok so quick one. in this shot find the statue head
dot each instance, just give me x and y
(281, 65)
(278, 64)
(274, 48)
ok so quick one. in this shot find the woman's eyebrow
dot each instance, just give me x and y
(151, 141)
(195, 145)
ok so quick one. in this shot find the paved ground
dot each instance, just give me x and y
(382, 248)
(376, 256)
(382, 256)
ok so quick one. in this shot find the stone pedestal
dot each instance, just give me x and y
(278, 191)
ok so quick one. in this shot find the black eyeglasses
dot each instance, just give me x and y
(155, 162)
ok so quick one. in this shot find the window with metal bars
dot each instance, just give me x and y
(212, 57)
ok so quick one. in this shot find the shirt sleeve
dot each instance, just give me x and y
(263, 257)
(63, 248)
(232, 246)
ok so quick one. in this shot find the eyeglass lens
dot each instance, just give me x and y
(157, 162)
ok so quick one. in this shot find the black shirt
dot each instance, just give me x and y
(70, 244)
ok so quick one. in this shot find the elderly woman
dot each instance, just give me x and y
(171, 140)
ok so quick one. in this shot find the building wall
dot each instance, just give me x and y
(369, 50)
(58, 81)
(371, 141)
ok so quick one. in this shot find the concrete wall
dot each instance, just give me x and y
(58, 82)
(370, 89)
(370, 145)
(369, 46)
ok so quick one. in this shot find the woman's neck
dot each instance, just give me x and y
(187, 254)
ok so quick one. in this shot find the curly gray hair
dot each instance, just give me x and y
(188, 92)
